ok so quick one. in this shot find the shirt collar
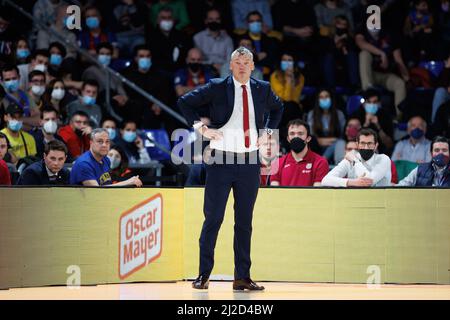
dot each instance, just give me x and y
(237, 84)
(49, 173)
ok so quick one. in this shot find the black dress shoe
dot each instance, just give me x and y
(202, 282)
(246, 284)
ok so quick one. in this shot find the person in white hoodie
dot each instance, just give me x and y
(362, 167)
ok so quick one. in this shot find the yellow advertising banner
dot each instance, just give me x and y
(59, 236)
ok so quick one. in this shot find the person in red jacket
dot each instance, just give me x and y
(5, 176)
(76, 134)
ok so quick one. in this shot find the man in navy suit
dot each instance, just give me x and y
(237, 105)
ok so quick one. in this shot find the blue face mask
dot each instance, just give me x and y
(255, 27)
(112, 133)
(325, 103)
(129, 136)
(417, 133)
(145, 63)
(104, 59)
(371, 108)
(12, 85)
(440, 160)
(93, 22)
(55, 59)
(22, 53)
(15, 125)
(88, 100)
(286, 65)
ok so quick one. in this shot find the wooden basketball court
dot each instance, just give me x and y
(223, 290)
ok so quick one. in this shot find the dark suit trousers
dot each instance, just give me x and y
(244, 180)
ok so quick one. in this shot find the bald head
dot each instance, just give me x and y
(194, 56)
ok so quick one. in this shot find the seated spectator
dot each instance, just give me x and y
(245, 42)
(300, 167)
(214, 42)
(435, 173)
(287, 81)
(76, 134)
(197, 10)
(416, 148)
(92, 167)
(22, 143)
(327, 10)
(47, 131)
(110, 125)
(373, 115)
(119, 165)
(341, 53)
(130, 19)
(5, 176)
(132, 144)
(350, 133)
(46, 12)
(379, 59)
(8, 35)
(39, 61)
(95, 33)
(22, 52)
(441, 125)
(44, 38)
(326, 122)
(145, 75)
(36, 80)
(362, 168)
(169, 46)
(56, 96)
(50, 170)
(443, 21)
(442, 93)
(178, 8)
(87, 103)
(242, 9)
(98, 74)
(195, 73)
(13, 93)
(419, 32)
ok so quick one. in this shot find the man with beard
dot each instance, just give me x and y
(76, 134)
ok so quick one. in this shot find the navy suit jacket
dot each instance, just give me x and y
(219, 95)
(36, 175)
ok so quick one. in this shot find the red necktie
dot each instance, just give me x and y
(246, 121)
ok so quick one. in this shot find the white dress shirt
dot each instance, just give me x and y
(377, 168)
(233, 130)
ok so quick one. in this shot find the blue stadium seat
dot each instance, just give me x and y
(434, 67)
(353, 104)
(161, 137)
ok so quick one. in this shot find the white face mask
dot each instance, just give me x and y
(50, 127)
(58, 94)
(40, 67)
(38, 90)
(166, 25)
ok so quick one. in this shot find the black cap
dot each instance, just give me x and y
(13, 108)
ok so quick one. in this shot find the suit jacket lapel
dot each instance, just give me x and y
(230, 96)
(254, 85)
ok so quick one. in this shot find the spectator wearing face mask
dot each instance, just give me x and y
(95, 34)
(301, 167)
(373, 115)
(39, 62)
(36, 90)
(56, 96)
(22, 51)
(22, 143)
(87, 103)
(5, 176)
(57, 54)
(179, 11)
(119, 165)
(435, 173)
(111, 125)
(214, 42)
(96, 73)
(361, 168)
(132, 144)
(169, 46)
(351, 130)
(76, 134)
(50, 170)
(13, 94)
(326, 122)
(46, 132)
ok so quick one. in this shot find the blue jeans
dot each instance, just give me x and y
(441, 95)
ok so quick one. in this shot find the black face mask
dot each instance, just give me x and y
(340, 31)
(195, 67)
(214, 26)
(78, 132)
(366, 154)
(297, 145)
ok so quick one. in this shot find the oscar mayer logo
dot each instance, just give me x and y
(140, 235)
